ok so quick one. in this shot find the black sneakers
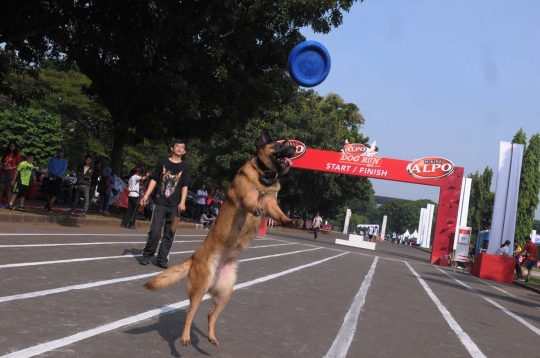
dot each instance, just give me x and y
(145, 260)
(163, 265)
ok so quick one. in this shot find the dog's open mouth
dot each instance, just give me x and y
(284, 160)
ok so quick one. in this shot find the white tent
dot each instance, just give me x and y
(414, 234)
(406, 235)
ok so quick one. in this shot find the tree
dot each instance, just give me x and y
(403, 215)
(536, 226)
(529, 189)
(169, 67)
(331, 120)
(34, 130)
(481, 201)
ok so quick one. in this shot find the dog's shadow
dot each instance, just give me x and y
(170, 327)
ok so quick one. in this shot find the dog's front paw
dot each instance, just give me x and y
(185, 340)
(294, 223)
(258, 212)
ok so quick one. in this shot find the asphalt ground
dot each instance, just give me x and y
(77, 292)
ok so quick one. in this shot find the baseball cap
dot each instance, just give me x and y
(60, 150)
(138, 169)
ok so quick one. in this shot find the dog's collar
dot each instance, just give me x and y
(267, 177)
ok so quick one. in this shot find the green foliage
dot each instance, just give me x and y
(19, 81)
(358, 219)
(403, 215)
(86, 125)
(529, 189)
(330, 120)
(365, 208)
(34, 130)
(536, 226)
(166, 67)
(481, 201)
(520, 137)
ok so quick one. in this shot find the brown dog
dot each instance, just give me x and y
(250, 199)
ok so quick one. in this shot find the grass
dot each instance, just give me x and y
(533, 282)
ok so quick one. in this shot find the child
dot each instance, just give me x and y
(24, 171)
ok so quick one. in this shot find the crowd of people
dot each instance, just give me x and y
(208, 204)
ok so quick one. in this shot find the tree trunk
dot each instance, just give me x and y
(117, 155)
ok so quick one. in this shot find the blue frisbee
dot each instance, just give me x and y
(309, 63)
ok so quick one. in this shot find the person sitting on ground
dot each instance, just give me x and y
(529, 259)
(504, 250)
(20, 188)
(206, 219)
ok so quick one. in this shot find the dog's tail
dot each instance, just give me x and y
(170, 276)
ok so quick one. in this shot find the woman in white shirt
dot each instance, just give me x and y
(504, 250)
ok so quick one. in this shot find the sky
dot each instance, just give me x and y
(438, 78)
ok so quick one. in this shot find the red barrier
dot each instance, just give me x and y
(493, 267)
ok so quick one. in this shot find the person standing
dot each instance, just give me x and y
(202, 195)
(8, 167)
(56, 169)
(375, 233)
(394, 238)
(172, 179)
(82, 186)
(529, 250)
(104, 189)
(216, 201)
(24, 171)
(134, 185)
(95, 179)
(316, 225)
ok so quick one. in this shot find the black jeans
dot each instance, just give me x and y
(161, 223)
(199, 211)
(316, 231)
(131, 212)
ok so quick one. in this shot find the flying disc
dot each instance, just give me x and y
(309, 63)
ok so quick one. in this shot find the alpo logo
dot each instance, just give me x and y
(430, 168)
(355, 148)
(299, 147)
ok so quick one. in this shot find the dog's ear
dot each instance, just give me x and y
(164, 171)
(265, 138)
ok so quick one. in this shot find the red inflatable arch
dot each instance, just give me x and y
(358, 159)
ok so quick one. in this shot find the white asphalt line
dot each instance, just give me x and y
(493, 286)
(341, 344)
(467, 342)
(86, 244)
(276, 255)
(24, 264)
(62, 342)
(511, 314)
(117, 280)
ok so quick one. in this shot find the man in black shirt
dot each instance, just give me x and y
(171, 178)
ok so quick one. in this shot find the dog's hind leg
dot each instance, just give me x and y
(197, 287)
(222, 291)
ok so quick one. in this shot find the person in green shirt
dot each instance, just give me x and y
(20, 188)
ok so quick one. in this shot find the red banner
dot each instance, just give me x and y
(433, 171)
